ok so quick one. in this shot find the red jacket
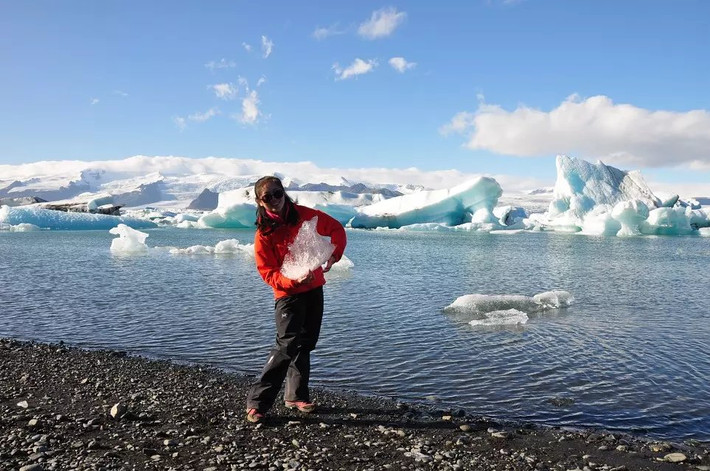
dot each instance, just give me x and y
(270, 250)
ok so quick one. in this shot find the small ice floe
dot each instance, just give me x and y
(308, 251)
(129, 240)
(229, 246)
(507, 317)
(483, 309)
(22, 227)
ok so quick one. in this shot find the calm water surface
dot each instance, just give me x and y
(631, 354)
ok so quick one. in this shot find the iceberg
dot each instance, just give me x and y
(60, 220)
(581, 186)
(449, 206)
(224, 247)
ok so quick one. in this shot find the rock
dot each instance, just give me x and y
(23, 404)
(466, 428)
(32, 467)
(118, 410)
(675, 457)
(500, 434)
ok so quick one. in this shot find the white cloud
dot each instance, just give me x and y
(261, 81)
(267, 45)
(358, 67)
(401, 65)
(593, 128)
(225, 91)
(382, 23)
(250, 108)
(247, 47)
(95, 101)
(221, 64)
(322, 33)
(120, 93)
(202, 117)
(180, 122)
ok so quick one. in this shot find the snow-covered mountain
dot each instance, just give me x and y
(588, 198)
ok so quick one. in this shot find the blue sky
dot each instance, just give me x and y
(497, 87)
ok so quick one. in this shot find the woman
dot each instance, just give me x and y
(299, 303)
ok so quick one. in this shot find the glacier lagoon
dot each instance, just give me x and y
(629, 354)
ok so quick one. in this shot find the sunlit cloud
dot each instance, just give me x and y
(250, 109)
(401, 65)
(322, 33)
(120, 93)
(202, 117)
(358, 67)
(267, 45)
(247, 47)
(592, 128)
(382, 23)
(225, 91)
(221, 64)
(261, 81)
(95, 101)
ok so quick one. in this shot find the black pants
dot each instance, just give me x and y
(298, 321)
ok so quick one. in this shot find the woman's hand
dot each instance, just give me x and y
(329, 264)
(305, 279)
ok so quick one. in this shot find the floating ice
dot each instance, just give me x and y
(22, 227)
(507, 317)
(478, 306)
(308, 251)
(229, 246)
(60, 220)
(581, 186)
(669, 221)
(450, 206)
(630, 215)
(129, 240)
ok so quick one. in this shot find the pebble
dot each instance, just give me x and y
(675, 457)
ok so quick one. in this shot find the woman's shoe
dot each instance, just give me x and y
(303, 406)
(254, 416)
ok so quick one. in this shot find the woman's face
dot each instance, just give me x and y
(268, 199)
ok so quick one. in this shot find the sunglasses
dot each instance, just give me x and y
(276, 195)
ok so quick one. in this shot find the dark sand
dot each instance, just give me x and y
(56, 404)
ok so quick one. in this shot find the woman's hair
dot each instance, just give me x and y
(264, 223)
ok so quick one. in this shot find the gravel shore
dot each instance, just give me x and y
(64, 408)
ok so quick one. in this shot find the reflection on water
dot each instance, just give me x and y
(630, 353)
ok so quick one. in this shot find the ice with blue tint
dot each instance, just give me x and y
(308, 251)
(477, 307)
(60, 220)
(598, 199)
(581, 186)
(454, 206)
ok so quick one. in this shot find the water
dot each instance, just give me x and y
(630, 355)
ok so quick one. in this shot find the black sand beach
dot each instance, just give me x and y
(66, 408)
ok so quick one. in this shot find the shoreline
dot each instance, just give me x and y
(63, 407)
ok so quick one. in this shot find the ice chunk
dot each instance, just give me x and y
(507, 317)
(229, 246)
(60, 220)
(668, 221)
(451, 206)
(236, 216)
(553, 299)
(477, 306)
(630, 215)
(129, 240)
(308, 251)
(704, 231)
